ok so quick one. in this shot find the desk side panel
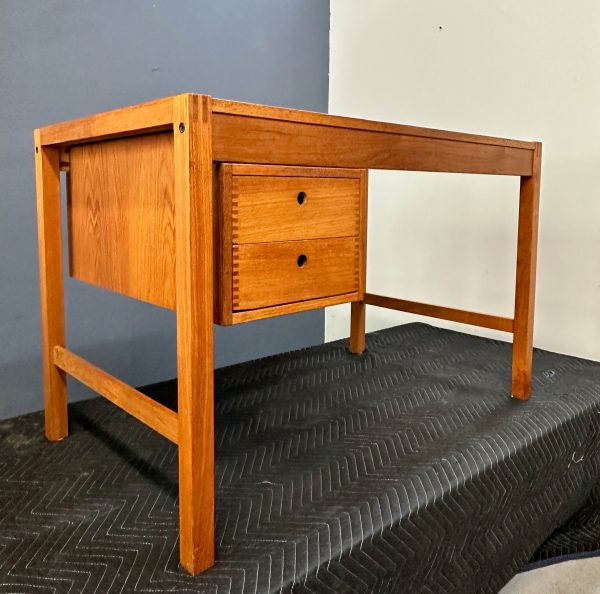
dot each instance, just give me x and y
(121, 217)
(246, 139)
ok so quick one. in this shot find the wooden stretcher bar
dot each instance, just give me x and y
(443, 313)
(144, 409)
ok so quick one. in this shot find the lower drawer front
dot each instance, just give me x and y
(266, 274)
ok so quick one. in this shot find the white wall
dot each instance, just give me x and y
(527, 70)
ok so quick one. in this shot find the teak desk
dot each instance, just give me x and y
(228, 212)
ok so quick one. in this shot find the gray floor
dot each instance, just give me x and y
(570, 577)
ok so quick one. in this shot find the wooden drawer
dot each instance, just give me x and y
(267, 217)
(270, 208)
(266, 274)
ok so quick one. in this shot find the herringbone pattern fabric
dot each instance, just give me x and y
(406, 469)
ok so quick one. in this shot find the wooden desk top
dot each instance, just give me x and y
(248, 133)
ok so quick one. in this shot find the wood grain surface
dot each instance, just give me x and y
(126, 121)
(444, 313)
(266, 208)
(358, 312)
(52, 316)
(122, 217)
(267, 274)
(245, 139)
(529, 206)
(145, 409)
(268, 112)
(195, 359)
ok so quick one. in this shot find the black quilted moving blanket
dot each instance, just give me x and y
(407, 469)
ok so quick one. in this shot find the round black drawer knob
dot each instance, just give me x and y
(301, 197)
(302, 259)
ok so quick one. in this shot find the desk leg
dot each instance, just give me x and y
(194, 287)
(357, 327)
(525, 285)
(47, 177)
(358, 308)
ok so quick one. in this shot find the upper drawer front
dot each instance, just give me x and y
(266, 208)
(266, 274)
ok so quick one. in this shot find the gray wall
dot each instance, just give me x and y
(61, 59)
